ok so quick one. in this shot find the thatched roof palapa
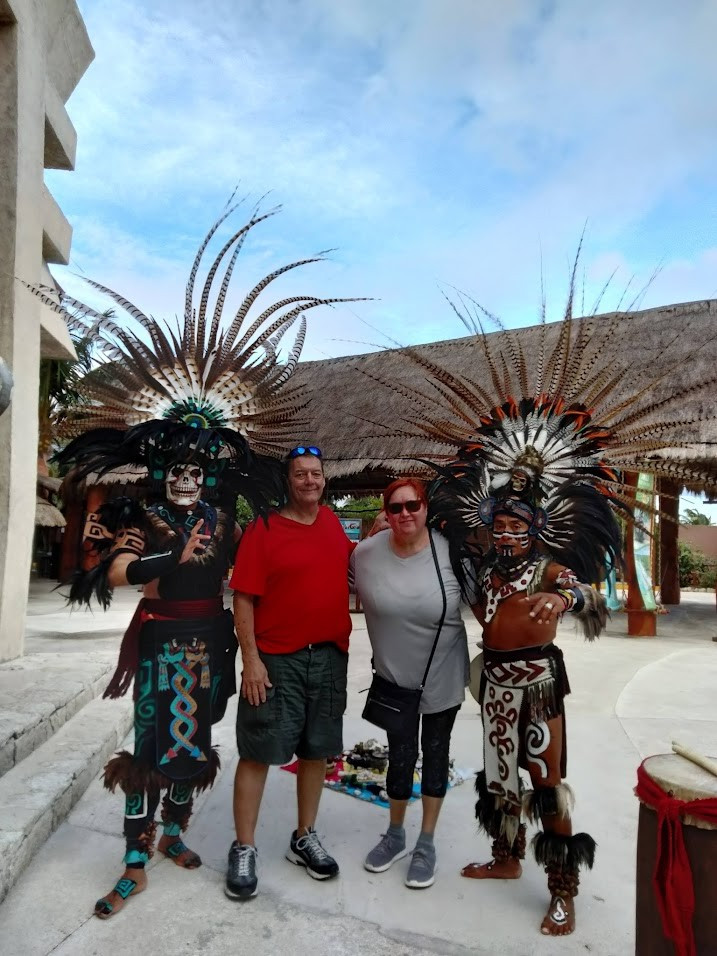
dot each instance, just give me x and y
(47, 515)
(354, 415)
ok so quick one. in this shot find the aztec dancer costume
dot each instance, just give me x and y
(535, 461)
(201, 415)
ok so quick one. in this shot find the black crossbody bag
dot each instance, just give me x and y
(390, 706)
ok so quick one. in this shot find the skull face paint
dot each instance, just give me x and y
(510, 537)
(183, 486)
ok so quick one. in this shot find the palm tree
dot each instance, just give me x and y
(693, 516)
(59, 389)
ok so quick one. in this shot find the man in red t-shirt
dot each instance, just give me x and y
(291, 612)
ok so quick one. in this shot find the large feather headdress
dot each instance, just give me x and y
(206, 390)
(557, 431)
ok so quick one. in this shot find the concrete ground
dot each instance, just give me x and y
(630, 698)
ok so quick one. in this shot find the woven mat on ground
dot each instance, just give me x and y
(361, 772)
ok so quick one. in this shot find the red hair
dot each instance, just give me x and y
(418, 486)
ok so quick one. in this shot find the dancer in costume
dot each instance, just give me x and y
(534, 462)
(522, 594)
(201, 416)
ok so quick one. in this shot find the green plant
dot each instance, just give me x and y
(692, 565)
(244, 514)
(359, 506)
(693, 516)
(708, 578)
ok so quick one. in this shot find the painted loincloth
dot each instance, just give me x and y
(521, 691)
(181, 656)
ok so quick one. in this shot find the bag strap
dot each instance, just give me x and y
(443, 612)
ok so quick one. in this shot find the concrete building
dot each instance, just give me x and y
(44, 51)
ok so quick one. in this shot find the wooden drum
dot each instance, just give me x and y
(685, 781)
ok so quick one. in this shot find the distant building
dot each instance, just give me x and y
(702, 538)
(44, 51)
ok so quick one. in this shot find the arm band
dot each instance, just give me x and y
(573, 597)
(144, 570)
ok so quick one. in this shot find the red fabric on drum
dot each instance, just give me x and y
(672, 877)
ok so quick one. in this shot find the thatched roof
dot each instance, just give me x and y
(49, 483)
(352, 416)
(47, 515)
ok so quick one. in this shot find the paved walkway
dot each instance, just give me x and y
(630, 699)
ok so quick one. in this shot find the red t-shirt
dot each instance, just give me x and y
(299, 576)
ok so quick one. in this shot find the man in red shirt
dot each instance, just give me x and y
(291, 612)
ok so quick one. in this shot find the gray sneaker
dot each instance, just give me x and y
(421, 872)
(389, 849)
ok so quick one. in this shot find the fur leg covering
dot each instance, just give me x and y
(548, 801)
(488, 814)
(573, 852)
(504, 849)
(492, 818)
(563, 857)
(518, 848)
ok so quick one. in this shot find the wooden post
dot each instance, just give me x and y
(96, 496)
(640, 622)
(71, 540)
(669, 531)
(73, 554)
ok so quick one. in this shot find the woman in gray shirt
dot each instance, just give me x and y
(395, 576)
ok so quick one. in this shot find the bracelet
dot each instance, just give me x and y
(573, 597)
(568, 598)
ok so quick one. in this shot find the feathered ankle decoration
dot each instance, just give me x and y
(548, 801)
(566, 852)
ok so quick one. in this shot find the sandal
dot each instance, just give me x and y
(175, 850)
(123, 888)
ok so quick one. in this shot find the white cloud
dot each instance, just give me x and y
(432, 142)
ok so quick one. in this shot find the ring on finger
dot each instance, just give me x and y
(549, 606)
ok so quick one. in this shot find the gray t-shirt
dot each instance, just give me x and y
(401, 598)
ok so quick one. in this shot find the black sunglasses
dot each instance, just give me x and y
(396, 507)
(305, 450)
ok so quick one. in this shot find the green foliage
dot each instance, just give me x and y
(693, 516)
(61, 385)
(708, 579)
(243, 512)
(361, 506)
(694, 568)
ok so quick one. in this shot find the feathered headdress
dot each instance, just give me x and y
(552, 438)
(207, 392)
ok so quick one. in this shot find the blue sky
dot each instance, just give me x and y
(428, 141)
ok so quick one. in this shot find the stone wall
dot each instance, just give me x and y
(44, 51)
(701, 537)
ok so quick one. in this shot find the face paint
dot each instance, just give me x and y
(184, 484)
(559, 914)
(509, 545)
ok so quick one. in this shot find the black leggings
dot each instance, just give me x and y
(403, 754)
